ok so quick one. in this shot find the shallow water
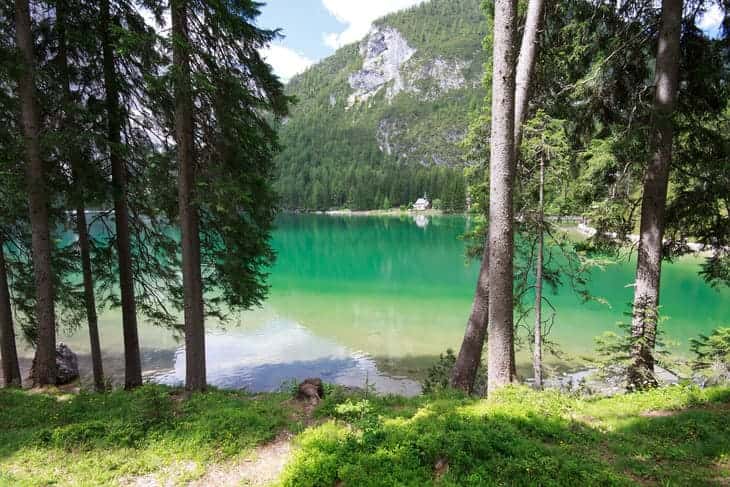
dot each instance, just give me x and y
(368, 300)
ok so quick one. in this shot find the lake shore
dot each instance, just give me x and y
(391, 212)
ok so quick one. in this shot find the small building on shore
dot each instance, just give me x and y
(422, 204)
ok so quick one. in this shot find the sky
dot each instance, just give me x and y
(314, 29)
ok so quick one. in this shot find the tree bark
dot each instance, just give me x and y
(132, 360)
(45, 357)
(526, 64)
(537, 350)
(649, 260)
(195, 370)
(8, 350)
(467, 363)
(469, 358)
(81, 226)
(89, 298)
(501, 211)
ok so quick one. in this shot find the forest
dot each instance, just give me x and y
(148, 150)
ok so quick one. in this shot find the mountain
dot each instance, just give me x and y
(379, 123)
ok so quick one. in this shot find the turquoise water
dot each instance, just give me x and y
(356, 299)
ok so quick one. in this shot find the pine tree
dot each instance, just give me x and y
(73, 154)
(45, 359)
(656, 181)
(228, 202)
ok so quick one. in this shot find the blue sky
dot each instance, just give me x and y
(314, 29)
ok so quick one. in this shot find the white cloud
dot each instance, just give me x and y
(358, 16)
(286, 62)
(711, 20)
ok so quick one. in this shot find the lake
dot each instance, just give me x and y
(362, 300)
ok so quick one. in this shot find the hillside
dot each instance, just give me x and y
(379, 122)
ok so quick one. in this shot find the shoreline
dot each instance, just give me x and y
(391, 212)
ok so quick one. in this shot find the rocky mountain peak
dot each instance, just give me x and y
(384, 52)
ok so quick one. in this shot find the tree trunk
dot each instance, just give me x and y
(501, 211)
(537, 350)
(470, 355)
(11, 370)
(45, 357)
(132, 361)
(89, 298)
(649, 260)
(195, 372)
(526, 64)
(81, 226)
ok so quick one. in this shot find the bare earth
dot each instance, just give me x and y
(262, 467)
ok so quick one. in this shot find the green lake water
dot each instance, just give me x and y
(376, 299)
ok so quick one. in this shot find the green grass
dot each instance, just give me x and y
(675, 436)
(672, 436)
(100, 439)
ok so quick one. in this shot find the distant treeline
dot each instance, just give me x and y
(372, 186)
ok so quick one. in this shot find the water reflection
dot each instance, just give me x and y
(421, 221)
(263, 360)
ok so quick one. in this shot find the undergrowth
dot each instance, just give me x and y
(676, 435)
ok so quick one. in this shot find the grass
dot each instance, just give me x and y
(672, 436)
(100, 439)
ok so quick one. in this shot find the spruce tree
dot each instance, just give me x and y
(37, 187)
(225, 195)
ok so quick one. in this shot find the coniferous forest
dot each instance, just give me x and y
(156, 173)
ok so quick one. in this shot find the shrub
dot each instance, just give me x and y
(712, 355)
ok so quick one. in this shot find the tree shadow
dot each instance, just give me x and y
(468, 442)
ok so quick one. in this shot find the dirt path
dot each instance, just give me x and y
(262, 467)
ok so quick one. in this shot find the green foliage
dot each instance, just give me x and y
(516, 437)
(519, 437)
(712, 355)
(97, 439)
(438, 376)
(613, 352)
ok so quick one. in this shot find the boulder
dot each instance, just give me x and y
(310, 390)
(67, 365)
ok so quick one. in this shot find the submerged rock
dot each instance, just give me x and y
(67, 365)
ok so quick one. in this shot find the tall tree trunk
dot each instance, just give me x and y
(192, 280)
(89, 298)
(467, 363)
(656, 178)
(132, 361)
(469, 357)
(537, 350)
(526, 64)
(501, 211)
(11, 370)
(45, 357)
(81, 226)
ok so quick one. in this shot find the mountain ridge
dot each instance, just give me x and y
(387, 112)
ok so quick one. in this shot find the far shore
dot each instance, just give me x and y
(391, 212)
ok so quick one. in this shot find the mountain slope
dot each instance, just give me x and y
(379, 122)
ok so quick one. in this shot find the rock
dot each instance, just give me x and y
(67, 365)
(384, 51)
(590, 382)
(311, 390)
(440, 468)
